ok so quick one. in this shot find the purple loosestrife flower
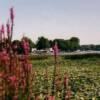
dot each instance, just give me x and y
(13, 80)
(8, 29)
(4, 57)
(66, 80)
(55, 49)
(2, 29)
(29, 67)
(52, 98)
(12, 14)
(26, 47)
(1, 32)
(0, 35)
(2, 75)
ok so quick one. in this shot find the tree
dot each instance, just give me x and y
(31, 43)
(42, 43)
(97, 47)
(90, 47)
(16, 45)
(50, 43)
(67, 42)
(74, 43)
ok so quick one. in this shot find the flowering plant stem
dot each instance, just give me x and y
(54, 75)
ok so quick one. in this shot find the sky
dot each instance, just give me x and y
(54, 19)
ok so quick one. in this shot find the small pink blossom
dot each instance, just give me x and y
(68, 95)
(13, 80)
(52, 98)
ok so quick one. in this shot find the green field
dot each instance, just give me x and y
(84, 76)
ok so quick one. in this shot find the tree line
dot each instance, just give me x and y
(44, 43)
(67, 45)
(64, 45)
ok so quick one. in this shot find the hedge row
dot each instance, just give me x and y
(38, 57)
(82, 56)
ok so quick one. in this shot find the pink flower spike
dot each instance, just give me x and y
(8, 28)
(2, 29)
(29, 67)
(55, 49)
(12, 78)
(12, 14)
(26, 47)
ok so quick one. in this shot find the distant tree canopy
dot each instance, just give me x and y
(68, 45)
(31, 43)
(42, 43)
(74, 43)
(64, 45)
(90, 47)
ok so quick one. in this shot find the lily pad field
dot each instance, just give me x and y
(83, 77)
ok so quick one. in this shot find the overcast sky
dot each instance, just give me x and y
(54, 19)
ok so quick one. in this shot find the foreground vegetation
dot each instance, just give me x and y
(84, 76)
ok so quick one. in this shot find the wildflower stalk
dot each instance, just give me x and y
(10, 34)
(12, 21)
(2, 36)
(65, 83)
(46, 84)
(2, 31)
(55, 48)
(54, 74)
